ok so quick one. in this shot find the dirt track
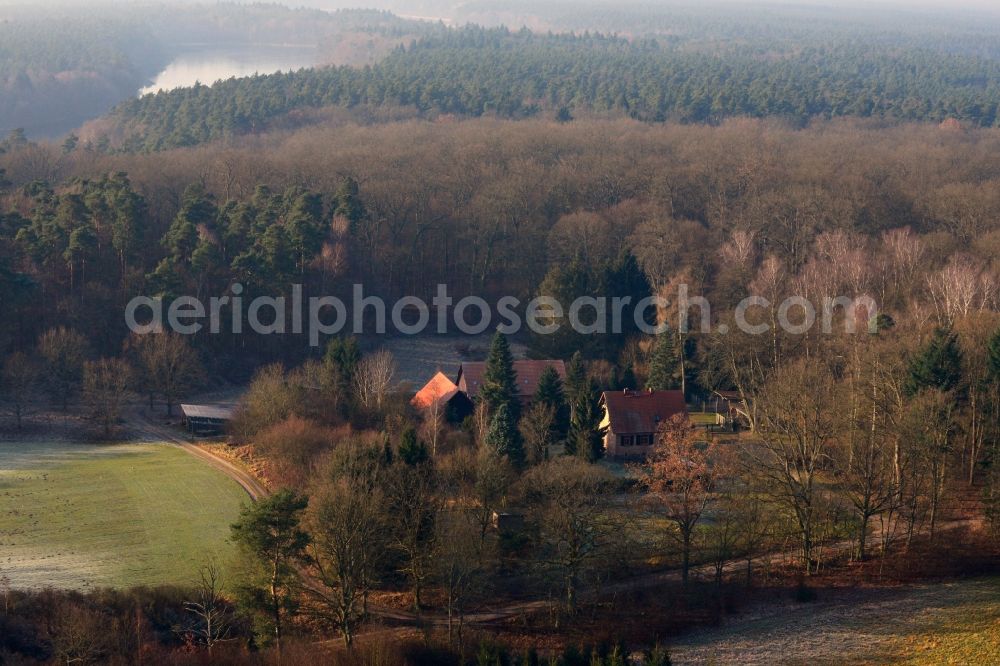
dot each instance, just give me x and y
(144, 428)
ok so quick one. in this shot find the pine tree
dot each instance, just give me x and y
(269, 532)
(586, 436)
(500, 380)
(576, 377)
(412, 451)
(623, 278)
(550, 392)
(628, 379)
(938, 365)
(341, 358)
(663, 365)
(565, 284)
(504, 438)
(347, 204)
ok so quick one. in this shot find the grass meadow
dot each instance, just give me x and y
(954, 622)
(82, 516)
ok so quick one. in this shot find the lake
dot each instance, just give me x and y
(210, 63)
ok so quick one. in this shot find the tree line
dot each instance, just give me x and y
(474, 71)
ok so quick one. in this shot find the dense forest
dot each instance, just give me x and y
(709, 25)
(487, 206)
(476, 72)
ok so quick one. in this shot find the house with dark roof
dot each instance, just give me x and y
(470, 377)
(632, 419)
(460, 394)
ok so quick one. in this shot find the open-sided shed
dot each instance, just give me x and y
(207, 419)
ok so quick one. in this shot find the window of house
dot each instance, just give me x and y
(627, 440)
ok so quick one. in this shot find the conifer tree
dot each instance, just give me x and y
(550, 392)
(937, 366)
(628, 380)
(663, 365)
(576, 377)
(504, 438)
(412, 451)
(341, 358)
(347, 204)
(500, 380)
(269, 533)
(586, 436)
(565, 284)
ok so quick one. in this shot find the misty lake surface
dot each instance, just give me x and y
(207, 64)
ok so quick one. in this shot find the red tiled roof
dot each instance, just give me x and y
(470, 376)
(438, 388)
(641, 412)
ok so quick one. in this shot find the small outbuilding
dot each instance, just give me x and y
(207, 419)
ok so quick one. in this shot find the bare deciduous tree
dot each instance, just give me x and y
(373, 378)
(679, 478)
(63, 352)
(538, 430)
(169, 365)
(348, 542)
(106, 385)
(415, 504)
(962, 287)
(569, 495)
(459, 566)
(480, 422)
(931, 425)
(982, 407)
(741, 249)
(796, 433)
(433, 425)
(489, 490)
(18, 382)
(79, 634)
(865, 459)
(212, 615)
(905, 251)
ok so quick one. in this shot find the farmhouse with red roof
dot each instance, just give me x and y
(633, 417)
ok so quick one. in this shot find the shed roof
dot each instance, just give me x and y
(222, 412)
